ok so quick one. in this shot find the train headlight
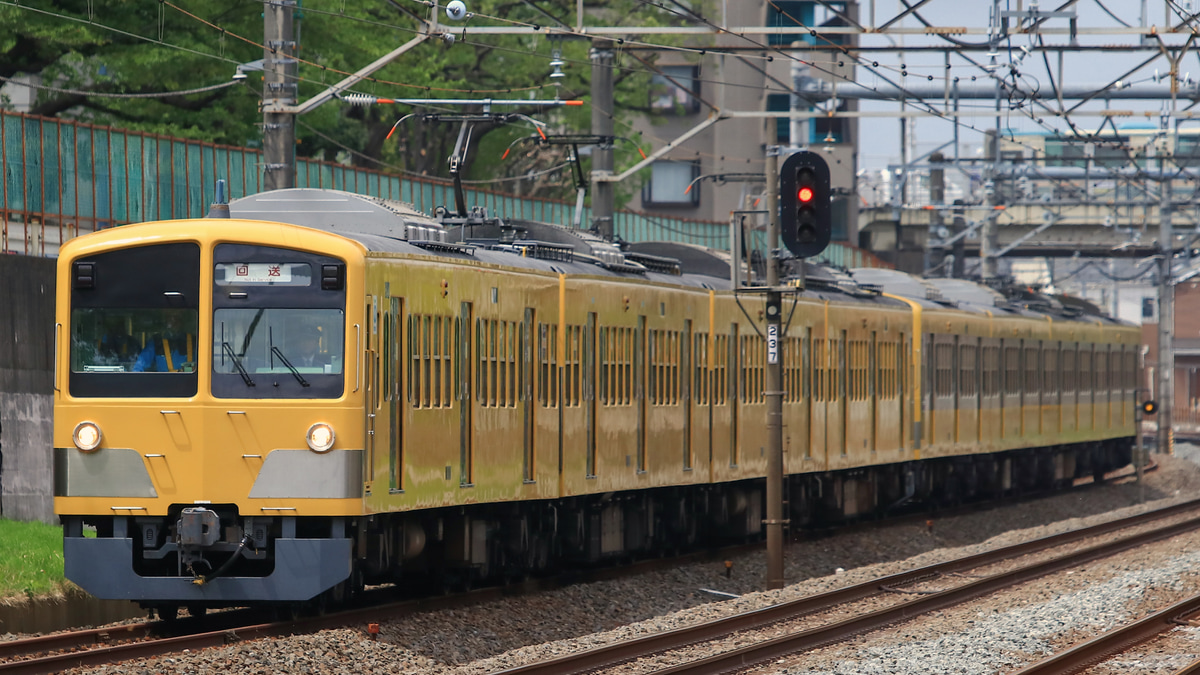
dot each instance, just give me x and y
(320, 437)
(87, 436)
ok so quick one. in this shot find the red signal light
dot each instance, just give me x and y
(805, 195)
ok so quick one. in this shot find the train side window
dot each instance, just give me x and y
(966, 370)
(820, 369)
(1050, 370)
(792, 373)
(1115, 380)
(1032, 371)
(806, 364)
(943, 369)
(748, 358)
(886, 369)
(1012, 370)
(548, 368)
(1085, 369)
(700, 368)
(663, 372)
(1102, 368)
(1130, 369)
(1069, 370)
(572, 367)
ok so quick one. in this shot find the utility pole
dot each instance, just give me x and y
(987, 233)
(279, 89)
(602, 125)
(959, 268)
(1166, 303)
(774, 393)
(937, 198)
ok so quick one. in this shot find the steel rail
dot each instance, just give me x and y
(233, 630)
(609, 655)
(73, 640)
(1092, 652)
(91, 650)
(842, 630)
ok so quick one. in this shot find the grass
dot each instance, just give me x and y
(31, 559)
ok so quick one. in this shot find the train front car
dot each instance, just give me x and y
(207, 413)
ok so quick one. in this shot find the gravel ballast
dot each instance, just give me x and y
(513, 631)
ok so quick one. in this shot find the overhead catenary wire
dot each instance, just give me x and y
(108, 94)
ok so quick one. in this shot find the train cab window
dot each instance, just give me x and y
(278, 353)
(134, 322)
(278, 323)
(133, 340)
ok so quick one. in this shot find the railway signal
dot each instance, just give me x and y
(805, 211)
(1149, 407)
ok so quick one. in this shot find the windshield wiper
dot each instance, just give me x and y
(237, 363)
(276, 352)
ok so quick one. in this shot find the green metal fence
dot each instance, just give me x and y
(64, 178)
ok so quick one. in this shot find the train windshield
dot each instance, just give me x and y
(134, 322)
(270, 352)
(133, 340)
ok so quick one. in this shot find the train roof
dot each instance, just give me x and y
(338, 212)
(976, 298)
(395, 227)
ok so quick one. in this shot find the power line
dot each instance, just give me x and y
(104, 94)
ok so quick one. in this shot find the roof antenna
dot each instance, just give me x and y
(220, 207)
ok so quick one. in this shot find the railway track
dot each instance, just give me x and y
(659, 644)
(97, 646)
(56, 652)
(1092, 652)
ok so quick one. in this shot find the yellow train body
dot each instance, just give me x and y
(468, 385)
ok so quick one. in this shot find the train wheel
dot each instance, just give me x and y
(167, 613)
(196, 611)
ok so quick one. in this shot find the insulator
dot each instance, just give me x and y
(359, 99)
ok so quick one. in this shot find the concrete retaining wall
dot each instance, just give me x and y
(26, 386)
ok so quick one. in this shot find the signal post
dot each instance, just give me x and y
(800, 212)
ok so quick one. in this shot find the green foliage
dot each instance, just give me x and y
(31, 558)
(145, 46)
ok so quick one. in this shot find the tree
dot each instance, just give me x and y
(132, 47)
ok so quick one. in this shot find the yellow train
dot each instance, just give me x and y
(249, 410)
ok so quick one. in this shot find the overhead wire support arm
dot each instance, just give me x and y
(349, 81)
(725, 178)
(616, 178)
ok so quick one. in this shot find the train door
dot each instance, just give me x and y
(1031, 391)
(735, 373)
(872, 393)
(958, 391)
(701, 391)
(943, 395)
(1010, 395)
(370, 356)
(1051, 391)
(928, 395)
(394, 364)
(968, 390)
(1103, 418)
(1068, 360)
(903, 407)
(526, 396)
(589, 388)
(819, 426)
(685, 391)
(803, 415)
(840, 412)
(1084, 398)
(464, 359)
